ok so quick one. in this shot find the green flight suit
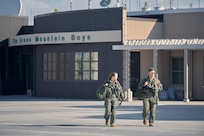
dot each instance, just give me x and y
(150, 98)
(114, 94)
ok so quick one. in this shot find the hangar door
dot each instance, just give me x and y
(198, 75)
(134, 71)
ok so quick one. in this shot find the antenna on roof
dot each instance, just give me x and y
(146, 7)
(89, 4)
(117, 3)
(122, 2)
(171, 3)
(191, 5)
(70, 4)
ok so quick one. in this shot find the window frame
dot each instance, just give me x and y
(180, 71)
(81, 61)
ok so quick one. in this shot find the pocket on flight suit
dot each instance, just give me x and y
(155, 100)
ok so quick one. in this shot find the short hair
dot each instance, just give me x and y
(111, 75)
(151, 70)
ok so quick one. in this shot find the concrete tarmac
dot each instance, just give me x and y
(34, 116)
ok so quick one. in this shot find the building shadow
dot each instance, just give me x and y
(164, 112)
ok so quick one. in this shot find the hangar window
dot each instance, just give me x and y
(86, 66)
(177, 71)
(64, 66)
(49, 66)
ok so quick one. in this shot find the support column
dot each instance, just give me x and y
(126, 74)
(155, 55)
(186, 97)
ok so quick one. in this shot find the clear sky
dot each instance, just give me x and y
(36, 7)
